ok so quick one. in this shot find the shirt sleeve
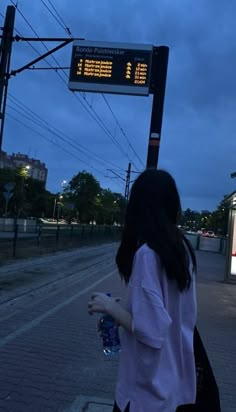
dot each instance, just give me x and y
(150, 319)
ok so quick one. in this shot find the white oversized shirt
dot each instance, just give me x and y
(157, 368)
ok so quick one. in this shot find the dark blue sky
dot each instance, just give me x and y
(198, 143)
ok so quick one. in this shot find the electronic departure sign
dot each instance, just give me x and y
(110, 67)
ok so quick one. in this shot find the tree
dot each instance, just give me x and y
(18, 177)
(218, 221)
(38, 201)
(108, 207)
(83, 189)
(190, 219)
(7, 175)
(30, 197)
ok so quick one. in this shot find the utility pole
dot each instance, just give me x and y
(158, 84)
(127, 180)
(127, 183)
(5, 60)
(7, 40)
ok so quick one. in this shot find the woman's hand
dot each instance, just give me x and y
(101, 303)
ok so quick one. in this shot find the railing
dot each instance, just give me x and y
(207, 244)
(26, 238)
(25, 225)
(48, 238)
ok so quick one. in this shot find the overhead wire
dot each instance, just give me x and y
(39, 123)
(58, 145)
(53, 130)
(44, 137)
(121, 129)
(104, 127)
(59, 16)
(64, 26)
(55, 17)
(36, 34)
(30, 44)
(94, 115)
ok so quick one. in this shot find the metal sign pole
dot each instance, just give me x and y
(158, 84)
(5, 58)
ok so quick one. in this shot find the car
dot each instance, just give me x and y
(210, 233)
(191, 232)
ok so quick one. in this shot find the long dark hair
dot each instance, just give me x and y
(151, 217)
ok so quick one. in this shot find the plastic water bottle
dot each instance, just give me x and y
(110, 334)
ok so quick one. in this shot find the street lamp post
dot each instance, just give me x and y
(54, 208)
(24, 173)
(57, 205)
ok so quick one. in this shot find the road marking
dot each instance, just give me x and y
(52, 258)
(39, 319)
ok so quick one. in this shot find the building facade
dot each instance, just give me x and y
(35, 168)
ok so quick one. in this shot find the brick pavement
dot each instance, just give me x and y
(216, 320)
(52, 360)
(50, 352)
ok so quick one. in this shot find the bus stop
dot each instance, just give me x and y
(230, 272)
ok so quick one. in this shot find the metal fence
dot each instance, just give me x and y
(53, 237)
(25, 239)
(207, 244)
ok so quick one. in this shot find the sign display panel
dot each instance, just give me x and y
(233, 252)
(110, 67)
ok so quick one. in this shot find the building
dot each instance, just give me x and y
(35, 168)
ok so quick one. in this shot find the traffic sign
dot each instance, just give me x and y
(9, 186)
(7, 196)
(103, 67)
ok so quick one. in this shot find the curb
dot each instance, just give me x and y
(91, 404)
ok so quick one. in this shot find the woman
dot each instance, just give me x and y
(157, 367)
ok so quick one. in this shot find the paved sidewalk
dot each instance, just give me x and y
(51, 356)
(216, 322)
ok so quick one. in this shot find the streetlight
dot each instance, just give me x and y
(59, 207)
(56, 203)
(54, 207)
(63, 183)
(23, 172)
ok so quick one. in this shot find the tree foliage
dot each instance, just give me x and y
(29, 197)
(84, 200)
(205, 220)
(83, 190)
